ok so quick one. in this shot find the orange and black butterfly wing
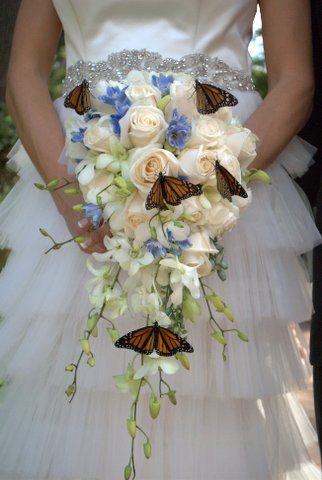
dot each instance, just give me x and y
(175, 190)
(140, 340)
(168, 343)
(171, 190)
(211, 98)
(155, 196)
(227, 185)
(79, 99)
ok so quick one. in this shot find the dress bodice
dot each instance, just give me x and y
(173, 28)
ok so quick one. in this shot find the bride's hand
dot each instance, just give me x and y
(78, 225)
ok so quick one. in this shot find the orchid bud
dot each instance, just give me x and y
(242, 336)
(79, 239)
(127, 472)
(78, 207)
(222, 274)
(114, 334)
(92, 321)
(40, 186)
(91, 361)
(120, 182)
(147, 449)
(43, 232)
(259, 175)
(70, 368)
(219, 337)
(85, 346)
(53, 184)
(172, 397)
(183, 359)
(154, 406)
(131, 427)
(71, 191)
(163, 102)
(215, 300)
(188, 217)
(70, 390)
(191, 308)
(229, 314)
(94, 332)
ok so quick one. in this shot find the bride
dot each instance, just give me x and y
(233, 421)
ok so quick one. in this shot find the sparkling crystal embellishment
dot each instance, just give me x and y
(119, 64)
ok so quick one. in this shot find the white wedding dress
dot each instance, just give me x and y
(234, 421)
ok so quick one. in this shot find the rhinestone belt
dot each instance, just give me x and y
(119, 64)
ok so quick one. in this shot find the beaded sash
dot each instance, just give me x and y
(119, 64)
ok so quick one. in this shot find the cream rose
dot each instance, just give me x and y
(206, 130)
(97, 186)
(198, 254)
(193, 207)
(98, 136)
(242, 143)
(146, 164)
(143, 93)
(141, 126)
(198, 164)
(135, 215)
(182, 98)
(222, 217)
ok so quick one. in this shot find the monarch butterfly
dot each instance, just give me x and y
(171, 190)
(227, 185)
(79, 98)
(153, 337)
(210, 98)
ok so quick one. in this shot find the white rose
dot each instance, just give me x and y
(193, 207)
(146, 163)
(135, 214)
(182, 98)
(98, 136)
(97, 186)
(198, 254)
(198, 164)
(142, 125)
(222, 217)
(224, 114)
(242, 142)
(206, 130)
(143, 93)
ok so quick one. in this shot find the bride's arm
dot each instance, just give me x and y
(287, 106)
(36, 35)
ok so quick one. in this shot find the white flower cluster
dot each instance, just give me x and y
(136, 129)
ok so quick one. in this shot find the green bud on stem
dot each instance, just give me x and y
(78, 207)
(70, 390)
(91, 361)
(70, 368)
(114, 334)
(219, 337)
(79, 239)
(131, 427)
(127, 472)
(154, 406)
(215, 300)
(172, 397)
(53, 184)
(242, 336)
(43, 232)
(71, 191)
(229, 314)
(85, 346)
(183, 359)
(147, 449)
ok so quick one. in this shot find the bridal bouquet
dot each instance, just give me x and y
(170, 182)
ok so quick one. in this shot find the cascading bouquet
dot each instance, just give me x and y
(162, 160)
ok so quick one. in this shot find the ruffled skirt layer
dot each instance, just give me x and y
(235, 420)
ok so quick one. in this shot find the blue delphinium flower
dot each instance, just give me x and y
(91, 115)
(162, 82)
(93, 213)
(156, 248)
(113, 95)
(177, 246)
(118, 99)
(179, 130)
(78, 136)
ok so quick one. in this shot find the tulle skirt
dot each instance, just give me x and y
(235, 420)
